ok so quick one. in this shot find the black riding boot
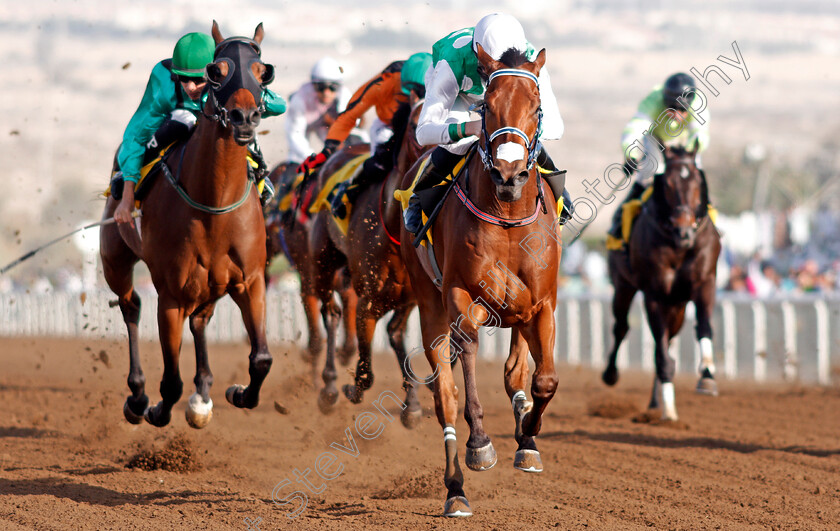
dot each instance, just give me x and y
(636, 192)
(556, 180)
(439, 166)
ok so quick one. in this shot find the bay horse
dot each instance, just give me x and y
(493, 273)
(202, 236)
(290, 236)
(370, 250)
(672, 259)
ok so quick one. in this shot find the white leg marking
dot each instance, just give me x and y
(707, 357)
(669, 402)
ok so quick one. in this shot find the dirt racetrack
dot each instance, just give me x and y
(757, 457)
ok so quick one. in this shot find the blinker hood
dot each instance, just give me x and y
(244, 52)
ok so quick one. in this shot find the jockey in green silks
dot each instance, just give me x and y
(168, 112)
(454, 82)
(674, 114)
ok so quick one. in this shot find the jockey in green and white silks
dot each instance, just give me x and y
(668, 116)
(454, 83)
(169, 109)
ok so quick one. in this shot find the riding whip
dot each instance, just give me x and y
(32, 253)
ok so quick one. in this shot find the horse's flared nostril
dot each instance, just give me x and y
(254, 117)
(237, 117)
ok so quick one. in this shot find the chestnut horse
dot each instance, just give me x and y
(672, 259)
(371, 252)
(202, 236)
(291, 237)
(491, 274)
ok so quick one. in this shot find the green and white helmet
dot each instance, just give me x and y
(192, 53)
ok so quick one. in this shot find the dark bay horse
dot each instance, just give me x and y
(498, 249)
(372, 251)
(290, 236)
(672, 259)
(202, 236)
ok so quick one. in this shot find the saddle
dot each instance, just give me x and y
(324, 199)
(630, 211)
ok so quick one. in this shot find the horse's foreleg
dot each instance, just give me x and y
(704, 302)
(328, 396)
(539, 333)
(663, 388)
(251, 302)
(622, 300)
(436, 343)
(136, 404)
(412, 413)
(366, 323)
(315, 341)
(200, 407)
(349, 302)
(171, 326)
(480, 452)
(516, 378)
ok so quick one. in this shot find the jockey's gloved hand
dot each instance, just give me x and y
(315, 160)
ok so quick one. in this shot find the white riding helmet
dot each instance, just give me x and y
(327, 70)
(497, 32)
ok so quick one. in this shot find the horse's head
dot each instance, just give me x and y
(682, 189)
(511, 118)
(237, 78)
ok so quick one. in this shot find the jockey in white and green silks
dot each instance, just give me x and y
(668, 116)
(454, 83)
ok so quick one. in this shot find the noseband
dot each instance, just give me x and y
(532, 143)
(239, 53)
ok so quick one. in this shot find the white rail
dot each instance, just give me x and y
(794, 339)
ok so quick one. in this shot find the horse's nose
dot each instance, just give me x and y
(239, 117)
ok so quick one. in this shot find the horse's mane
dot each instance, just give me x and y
(513, 57)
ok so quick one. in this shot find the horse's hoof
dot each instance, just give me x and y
(457, 506)
(707, 386)
(232, 392)
(410, 418)
(327, 400)
(480, 459)
(128, 412)
(610, 376)
(352, 393)
(156, 419)
(527, 461)
(198, 411)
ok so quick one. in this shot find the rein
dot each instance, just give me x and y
(194, 204)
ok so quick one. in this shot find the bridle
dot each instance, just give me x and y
(533, 144)
(244, 52)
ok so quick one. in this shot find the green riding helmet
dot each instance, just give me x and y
(192, 53)
(414, 72)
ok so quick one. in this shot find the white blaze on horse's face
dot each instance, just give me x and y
(684, 172)
(510, 151)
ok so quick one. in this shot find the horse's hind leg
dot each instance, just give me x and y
(704, 302)
(622, 300)
(480, 452)
(171, 326)
(413, 413)
(118, 265)
(251, 303)
(539, 333)
(200, 407)
(349, 302)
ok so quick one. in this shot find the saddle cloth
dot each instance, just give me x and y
(324, 199)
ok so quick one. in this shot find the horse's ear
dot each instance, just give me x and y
(217, 35)
(695, 148)
(667, 153)
(490, 65)
(539, 62)
(259, 33)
